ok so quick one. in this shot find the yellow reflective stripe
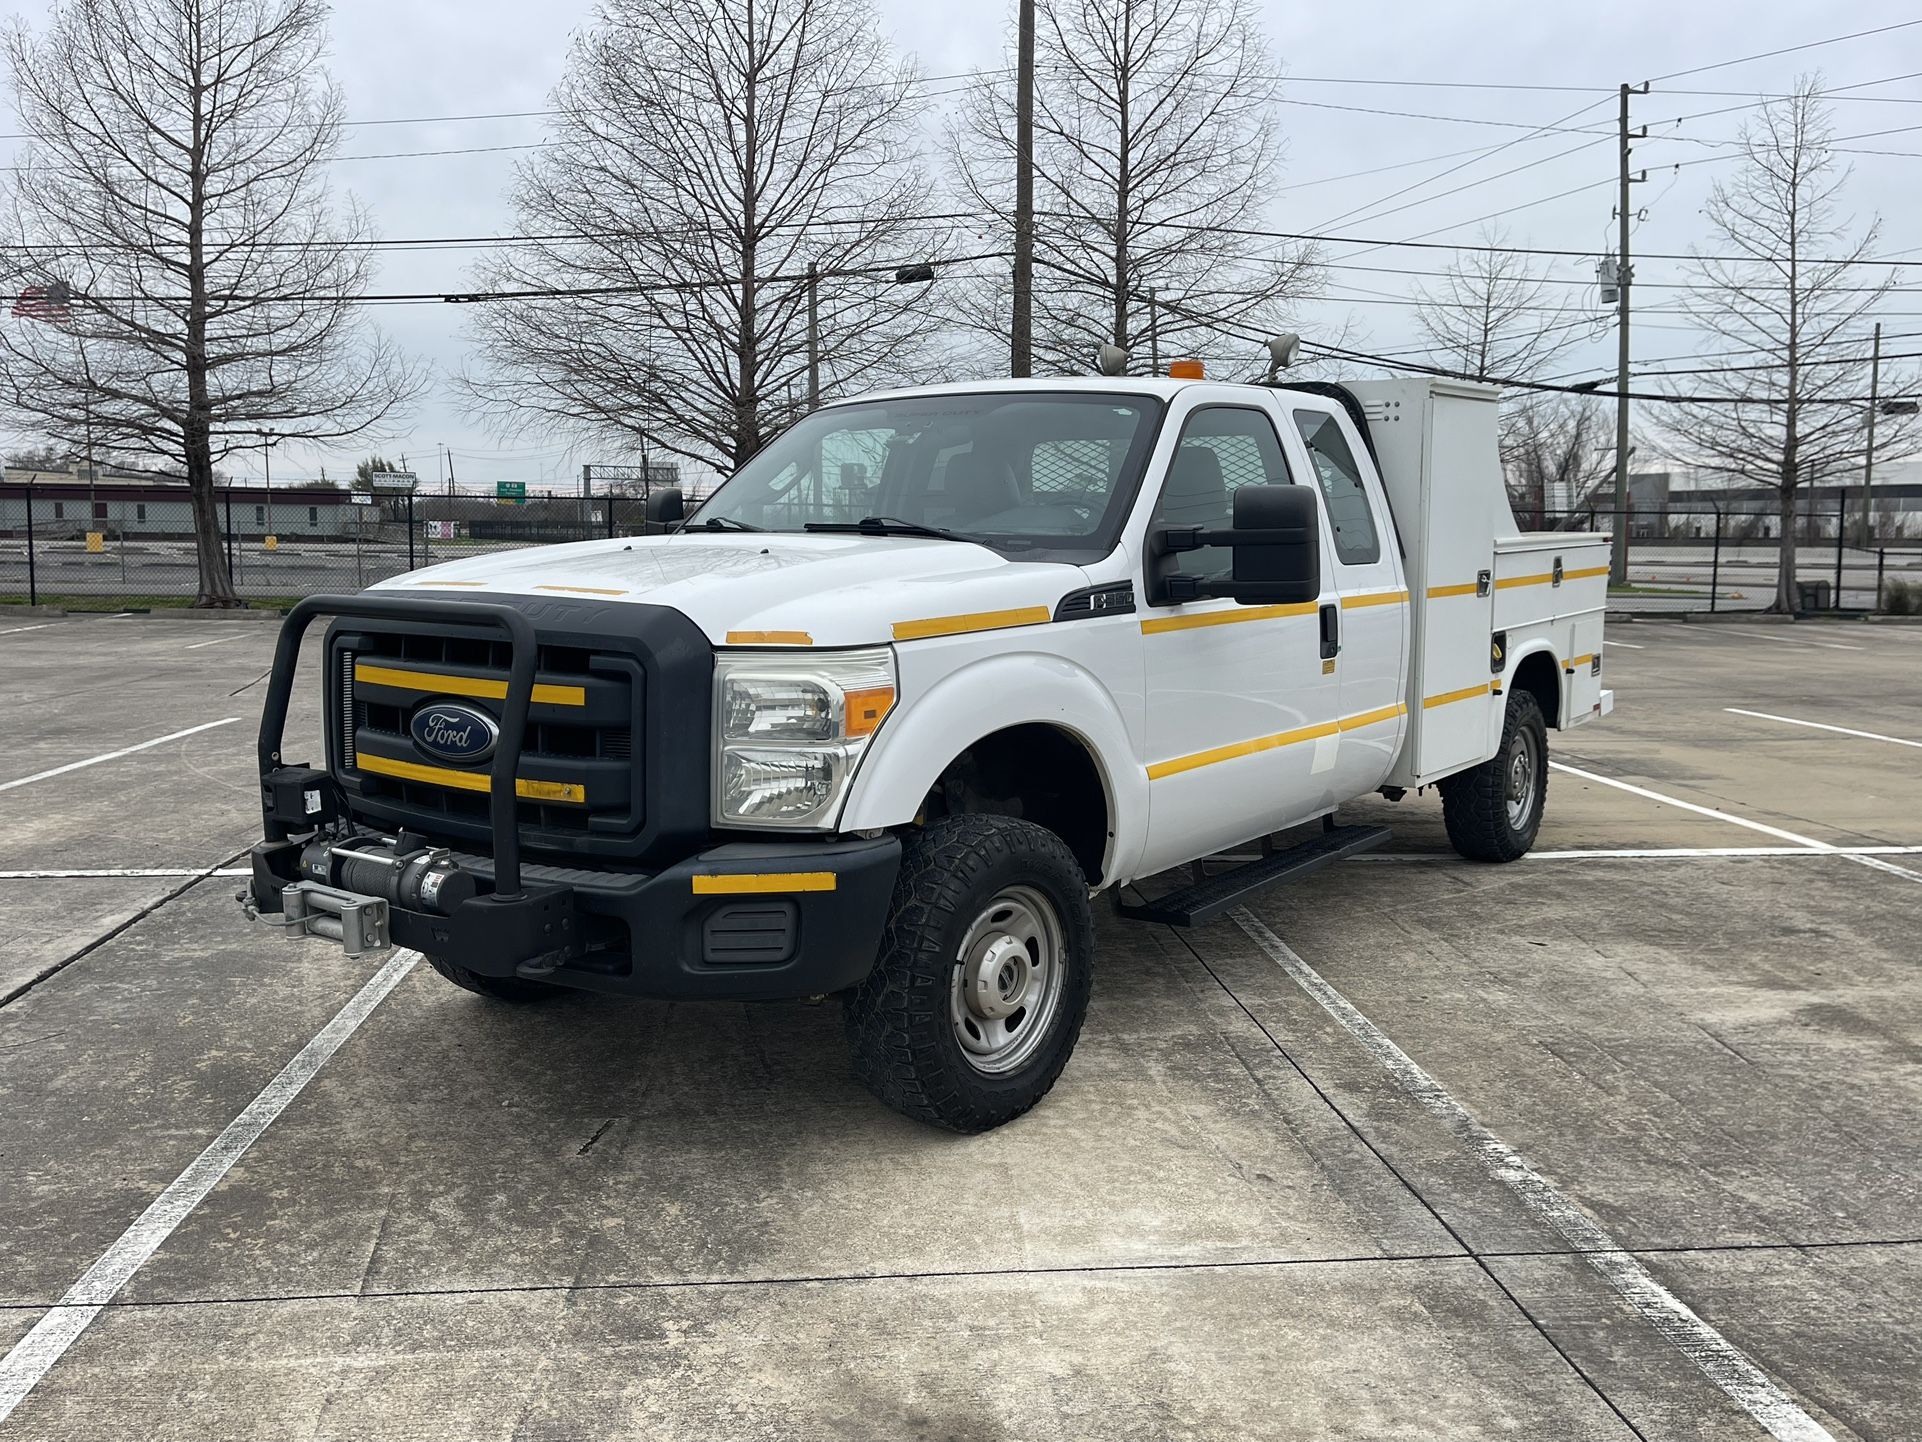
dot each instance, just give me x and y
(1370, 718)
(1466, 693)
(1573, 661)
(1227, 617)
(769, 638)
(586, 590)
(974, 621)
(1584, 573)
(469, 780)
(463, 685)
(1504, 583)
(1374, 598)
(1240, 748)
(1467, 588)
(750, 885)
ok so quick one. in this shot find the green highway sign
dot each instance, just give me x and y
(510, 493)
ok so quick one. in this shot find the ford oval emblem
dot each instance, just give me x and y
(449, 731)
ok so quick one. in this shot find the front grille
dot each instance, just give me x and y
(577, 757)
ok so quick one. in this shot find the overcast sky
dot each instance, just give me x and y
(414, 58)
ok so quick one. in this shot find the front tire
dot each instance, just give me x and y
(498, 988)
(978, 995)
(1494, 810)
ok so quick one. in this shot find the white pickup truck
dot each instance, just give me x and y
(933, 670)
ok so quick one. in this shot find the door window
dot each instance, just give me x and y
(1349, 515)
(1222, 449)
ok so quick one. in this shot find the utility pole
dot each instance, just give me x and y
(1618, 555)
(1021, 337)
(1868, 459)
(814, 337)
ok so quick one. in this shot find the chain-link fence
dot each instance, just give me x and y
(68, 546)
(1711, 559)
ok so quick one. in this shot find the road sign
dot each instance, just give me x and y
(96, 542)
(510, 493)
(361, 498)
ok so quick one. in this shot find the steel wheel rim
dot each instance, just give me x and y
(1521, 776)
(1007, 980)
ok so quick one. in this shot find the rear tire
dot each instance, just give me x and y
(1494, 810)
(497, 988)
(978, 995)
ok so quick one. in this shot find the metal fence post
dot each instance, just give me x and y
(410, 530)
(1841, 531)
(230, 535)
(33, 576)
(1881, 559)
(1715, 564)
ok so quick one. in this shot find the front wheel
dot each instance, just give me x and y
(978, 995)
(1494, 810)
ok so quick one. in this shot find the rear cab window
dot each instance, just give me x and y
(1351, 518)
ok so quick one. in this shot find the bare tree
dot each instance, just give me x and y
(1154, 138)
(1494, 317)
(171, 217)
(706, 155)
(1796, 301)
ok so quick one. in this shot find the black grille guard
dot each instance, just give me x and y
(502, 800)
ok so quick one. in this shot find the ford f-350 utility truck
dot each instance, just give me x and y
(930, 672)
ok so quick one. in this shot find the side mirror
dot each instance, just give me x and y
(1280, 561)
(664, 507)
(1275, 543)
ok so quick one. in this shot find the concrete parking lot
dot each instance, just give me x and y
(1619, 1141)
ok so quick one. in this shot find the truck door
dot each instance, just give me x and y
(1242, 716)
(1372, 619)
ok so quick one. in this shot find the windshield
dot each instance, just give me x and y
(1048, 475)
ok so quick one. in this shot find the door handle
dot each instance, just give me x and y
(1330, 632)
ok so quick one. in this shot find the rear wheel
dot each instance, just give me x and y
(1494, 810)
(977, 998)
(500, 988)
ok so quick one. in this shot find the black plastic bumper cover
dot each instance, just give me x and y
(747, 921)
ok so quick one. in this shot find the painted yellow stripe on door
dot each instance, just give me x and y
(1178, 764)
(469, 780)
(1227, 617)
(1371, 718)
(761, 885)
(463, 685)
(1374, 598)
(1584, 573)
(975, 621)
(1467, 588)
(1465, 694)
(1506, 583)
(769, 638)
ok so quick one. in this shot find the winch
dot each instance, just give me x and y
(349, 883)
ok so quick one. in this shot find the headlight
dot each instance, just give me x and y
(791, 729)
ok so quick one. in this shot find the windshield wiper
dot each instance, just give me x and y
(722, 523)
(886, 526)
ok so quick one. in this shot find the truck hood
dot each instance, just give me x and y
(739, 587)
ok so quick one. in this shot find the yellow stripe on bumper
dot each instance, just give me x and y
(462, 685)
(527, 790)
(761, 885)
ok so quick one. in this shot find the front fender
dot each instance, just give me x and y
(935, 725)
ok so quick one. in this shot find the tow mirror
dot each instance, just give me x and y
(1275, 543)
(663, 507)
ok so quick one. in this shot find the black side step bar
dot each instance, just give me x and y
(1208, 898)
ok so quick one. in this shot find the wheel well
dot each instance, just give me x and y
(1540, 677)
(1038, 773)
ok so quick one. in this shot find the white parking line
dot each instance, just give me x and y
(1720, 1360)
(115, 871)
(1628, 644)
(1822, 726)
(30, 1358)
(116, 755)
(233, 636)
(16, 630)
(1790, 640)
(1803, 841)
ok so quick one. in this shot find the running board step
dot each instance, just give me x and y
(1209, 898)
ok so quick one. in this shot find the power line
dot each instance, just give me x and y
(1785, 50)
